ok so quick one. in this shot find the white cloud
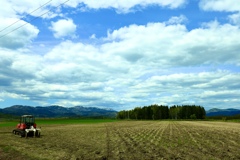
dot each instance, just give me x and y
(164, 45)
(13, 11)
(202, 88)
(7, 10)
(93, 36)
(139, 50)
(125, 6)
(177, 20)
(235, 18)
(19, 9)
(220, 5)
(223, 94)
(14, 37)
(63, 28)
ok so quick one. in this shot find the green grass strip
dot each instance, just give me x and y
(52, 121)
(72, 121)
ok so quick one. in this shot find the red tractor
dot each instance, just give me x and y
(27, 127)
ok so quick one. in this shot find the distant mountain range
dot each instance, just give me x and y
(58, 111)
(222, 112)
(80, 111)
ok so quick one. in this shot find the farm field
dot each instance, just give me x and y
(126, 140)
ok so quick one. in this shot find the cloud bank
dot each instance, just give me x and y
(137, 64)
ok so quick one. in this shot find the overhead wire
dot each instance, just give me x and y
(26, 15)
(30, 20)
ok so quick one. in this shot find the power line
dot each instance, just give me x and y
(26, 15)
(30, 20)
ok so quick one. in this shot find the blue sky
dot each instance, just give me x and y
(120, 54)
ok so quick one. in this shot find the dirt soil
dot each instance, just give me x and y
(136, 140)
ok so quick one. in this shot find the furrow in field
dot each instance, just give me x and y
(154, 138)
(223, 143)
(188, 139)
(108, 148)
(133, 148)
(216, 142)
(125, 148)
(115, 147)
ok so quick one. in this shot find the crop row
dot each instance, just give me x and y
(171, 140)
(128, 140)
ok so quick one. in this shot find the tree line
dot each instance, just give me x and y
(157, 112)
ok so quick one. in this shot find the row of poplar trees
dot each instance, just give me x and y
(156, 112)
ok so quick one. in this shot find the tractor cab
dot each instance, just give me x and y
(29, 120)
(26, 122)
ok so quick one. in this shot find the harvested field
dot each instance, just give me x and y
(127, 140)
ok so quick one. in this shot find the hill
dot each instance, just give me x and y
(222, 112)
(58, 111)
